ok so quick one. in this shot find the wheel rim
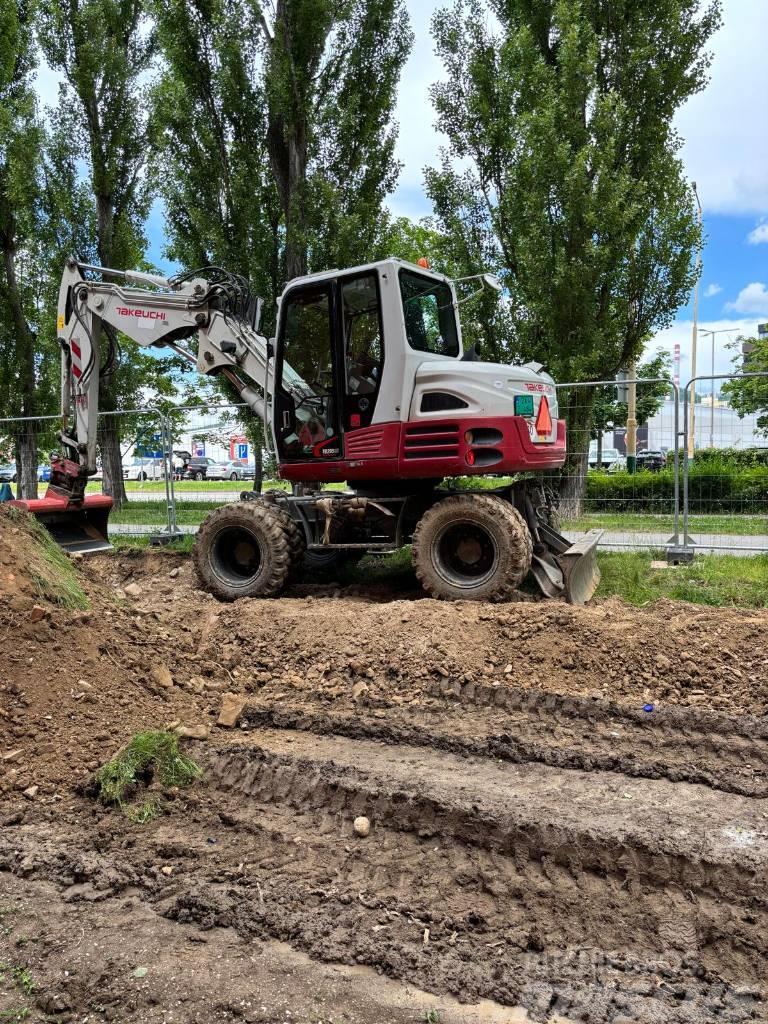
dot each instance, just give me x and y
(236, 556)
(465, 554)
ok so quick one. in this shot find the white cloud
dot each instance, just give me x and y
(725, 151)
(712, 289)
(759, 234)
(751, 299)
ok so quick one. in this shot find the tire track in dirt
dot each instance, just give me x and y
(728, 753)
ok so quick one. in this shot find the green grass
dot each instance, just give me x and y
(154, 513)
(647, 522)
(724, 581)
(21, 977)
(149, 755)
(125, 542)
(196, 486)
(52, 573)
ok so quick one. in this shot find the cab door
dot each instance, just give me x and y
(307, 408)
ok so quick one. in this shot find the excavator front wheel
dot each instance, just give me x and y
(243, 550)
(473, 547)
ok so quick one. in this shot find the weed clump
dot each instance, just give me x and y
(151, 756)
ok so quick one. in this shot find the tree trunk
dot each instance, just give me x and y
(573, 475)
(26, 461)
(112, 460)
(26, 456)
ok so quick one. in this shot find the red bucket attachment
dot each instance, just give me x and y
(77, 527)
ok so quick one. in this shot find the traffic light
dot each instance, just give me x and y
(622, 388)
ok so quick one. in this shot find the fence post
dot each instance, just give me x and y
(171, 531)
(675, 551)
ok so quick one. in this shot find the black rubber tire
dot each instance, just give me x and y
(198, 476)
(233, 476)
(294, 535)
(242, 550)
(494, 531)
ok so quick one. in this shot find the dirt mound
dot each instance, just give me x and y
(29, 571)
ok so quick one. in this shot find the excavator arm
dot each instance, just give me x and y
(156, 312)
(211, 304)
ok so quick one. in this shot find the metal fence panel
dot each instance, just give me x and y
(713, 500)
(35, 436)
(725, 471)
(636, 509)
(213, 459)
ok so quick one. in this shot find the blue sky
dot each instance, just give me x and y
(725, 151)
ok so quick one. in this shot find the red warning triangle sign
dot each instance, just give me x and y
(543, 419)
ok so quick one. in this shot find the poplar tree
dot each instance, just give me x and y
(21, 141)
(563, 163)
(104, 49)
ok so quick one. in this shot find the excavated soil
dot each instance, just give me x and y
(568, 813)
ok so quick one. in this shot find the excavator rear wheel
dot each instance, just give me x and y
(474, 547)
(243, 550)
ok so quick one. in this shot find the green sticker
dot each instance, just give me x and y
(523, 405)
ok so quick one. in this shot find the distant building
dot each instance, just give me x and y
(728, 429)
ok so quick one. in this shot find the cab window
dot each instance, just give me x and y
(363, 348)
(430, 317)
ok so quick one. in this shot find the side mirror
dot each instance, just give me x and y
(493, 282)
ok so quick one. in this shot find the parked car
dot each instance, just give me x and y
(235, 470)
(198, 468)
(7, 474)
(43, 473)
(653, 459)
(607, 459)
(143, 469)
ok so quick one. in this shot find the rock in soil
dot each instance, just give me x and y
(232, 705)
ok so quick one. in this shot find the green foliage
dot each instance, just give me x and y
(711, 489)
(149, 755)
(564, 118)
(19, 976)
(274, 130)
(104, 48)
(53, 574)
(724, 459)
(750, 394)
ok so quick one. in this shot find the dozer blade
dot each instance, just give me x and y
(77, 528)
(580, 569)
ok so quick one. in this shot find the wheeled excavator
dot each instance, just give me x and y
(365, 384)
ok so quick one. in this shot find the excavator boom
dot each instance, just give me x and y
(156, 312)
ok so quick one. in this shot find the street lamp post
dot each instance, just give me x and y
(694, 337)
(723, 330)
